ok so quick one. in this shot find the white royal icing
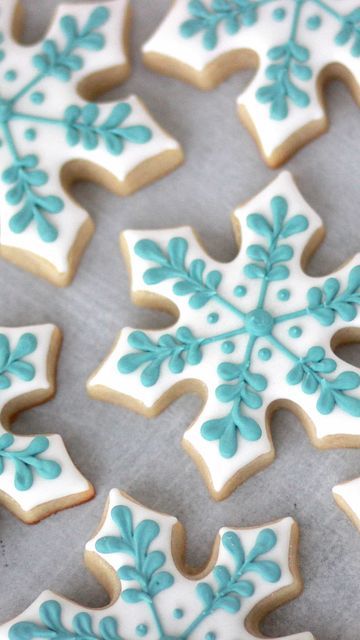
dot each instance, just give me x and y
(70, 481)
(50, 144)
(260, 37)
(338, 423)
(132, 617)
(349, 492)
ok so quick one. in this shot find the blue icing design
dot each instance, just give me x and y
(10, 75)
(240, 291)
(313, 23)
(289, 61)
(141, 630)
(141, 562)
(265, 354)
(146, 564)
(23, 176)
(295, 332)
(13, 363)
(308, 372)
(27, 461)
(50, 614)
(279, 14)
(37, 97)
(227, 346)
(213, 318)
(241, 386)
(283, 295)
(83, 125)
(30, 134)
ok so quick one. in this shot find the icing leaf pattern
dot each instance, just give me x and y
(12, 362)
(81, 124)
(289, 61)
(241, 386)
(249, 564)
(27, 461)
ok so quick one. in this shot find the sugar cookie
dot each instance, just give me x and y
(138, 555)
(50, 136)
(296, 46)
(347, 497)
(251, 336)
(37, 476)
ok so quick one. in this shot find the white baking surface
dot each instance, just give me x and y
(115, 447)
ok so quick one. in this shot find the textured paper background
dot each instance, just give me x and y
(115, 447)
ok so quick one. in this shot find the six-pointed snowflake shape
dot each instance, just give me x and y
(251, 335)
(50, 136)
(37, 477)
(296, 44)
(135, 549)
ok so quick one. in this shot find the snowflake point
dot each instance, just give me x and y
(37, 476)
(282, 107)
(138, 555)
(118, 144)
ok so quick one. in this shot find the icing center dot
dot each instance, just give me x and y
(259, 322)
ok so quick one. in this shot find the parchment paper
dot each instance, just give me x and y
(117, 448)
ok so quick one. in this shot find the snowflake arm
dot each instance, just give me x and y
(347, 497)
(152, 597)
(250, 335)
(293, 44)
(117, 144)
(37, 476)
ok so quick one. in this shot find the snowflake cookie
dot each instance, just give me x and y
(251, 336)
(347, 497)
(37, 477)
(140, 553)
(50, 136)
(296, 45)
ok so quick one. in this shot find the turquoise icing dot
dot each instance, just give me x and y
(279, 14)
(283, 295)
(295, 332)
(265, 354)
(1, 38)
(258, 323)
(30, 134)
(10, 75)
(1, 143)
(213, 317)
(178, 613)
(210, 636)
(313, 22)
(227, 346)
(240, 291)
(141, 630)
(37, 97)
(2, 55)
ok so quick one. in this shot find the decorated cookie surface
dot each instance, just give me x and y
(296, 46)
(50, 135)
(347, 496)
(139, 552)
(37, 477)
(252, 335)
